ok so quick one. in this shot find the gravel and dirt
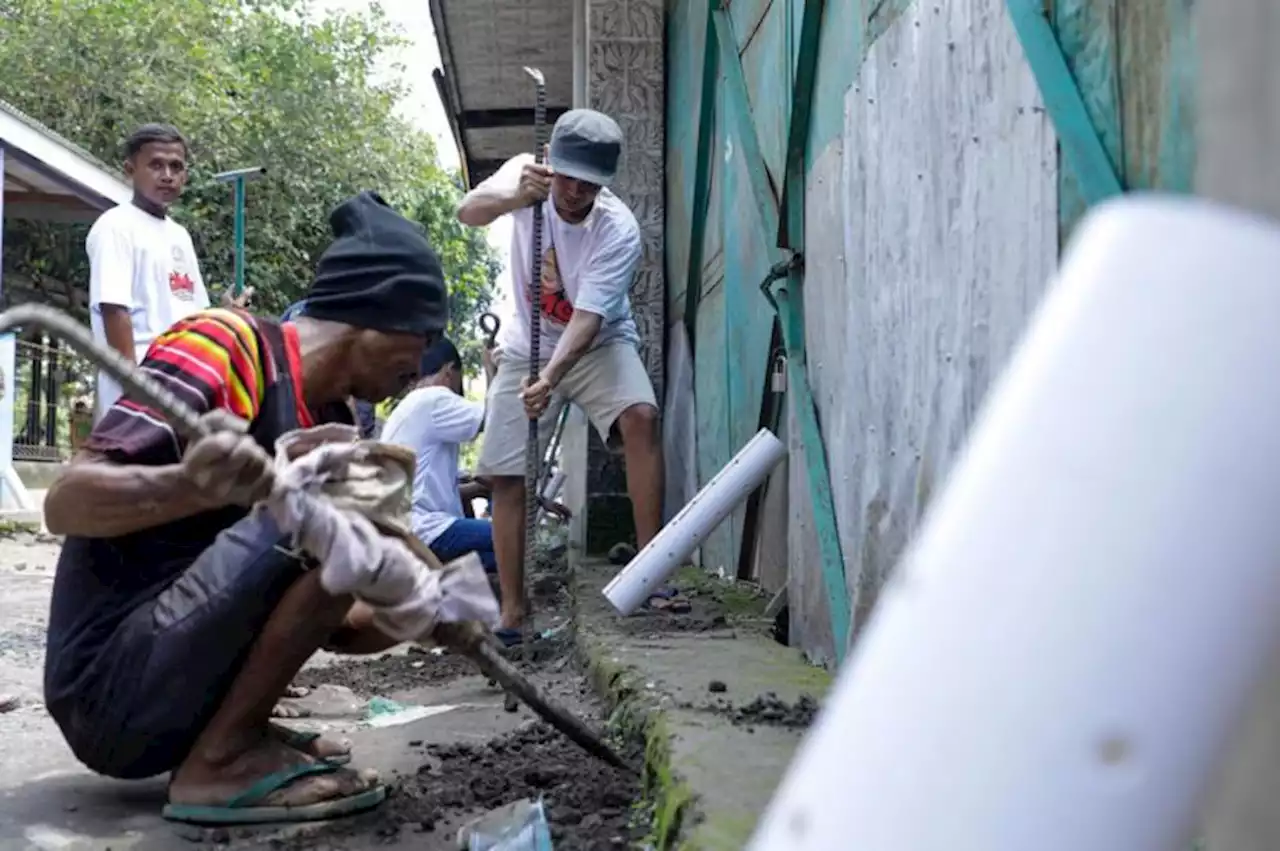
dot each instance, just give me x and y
(589, 805)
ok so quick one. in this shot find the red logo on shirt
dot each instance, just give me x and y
(556, 306)
(182, 286)
(555, 302)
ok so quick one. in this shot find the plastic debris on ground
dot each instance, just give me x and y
(382, 712)
(518, 826)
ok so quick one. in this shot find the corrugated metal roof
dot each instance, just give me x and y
(484, 48)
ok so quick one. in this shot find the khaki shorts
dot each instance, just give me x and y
(606, 382)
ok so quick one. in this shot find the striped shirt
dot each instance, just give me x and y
(215, 359)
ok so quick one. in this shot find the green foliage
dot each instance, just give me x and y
(250, 82)
(468, 260)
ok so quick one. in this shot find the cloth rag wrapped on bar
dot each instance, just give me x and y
(332, 491)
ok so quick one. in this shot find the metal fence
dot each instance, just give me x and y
(52, 383)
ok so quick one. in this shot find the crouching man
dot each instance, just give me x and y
(179, 618)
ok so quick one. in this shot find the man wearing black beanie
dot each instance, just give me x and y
(179, 617)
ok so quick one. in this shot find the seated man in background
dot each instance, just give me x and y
(434, 420)
(179, 617)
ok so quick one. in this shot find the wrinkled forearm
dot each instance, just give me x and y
(94, 498)
(578, 336)
(482, 205)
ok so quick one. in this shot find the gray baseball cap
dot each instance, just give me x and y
(585, 145)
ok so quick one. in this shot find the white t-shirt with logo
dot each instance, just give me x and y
(148, 266)
(434, 422)
(586, 266)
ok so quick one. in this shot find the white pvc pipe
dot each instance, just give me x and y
(553, 485)
(1063, 652)
(672, 546)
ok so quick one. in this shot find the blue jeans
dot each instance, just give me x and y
(463, 536)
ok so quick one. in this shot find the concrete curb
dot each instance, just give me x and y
(634, 713)
(707, 777)
(21, 520)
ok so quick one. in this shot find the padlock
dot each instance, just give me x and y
(778, 378)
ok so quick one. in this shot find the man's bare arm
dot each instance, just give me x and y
(472, 490)
(483, 205)
(492, 199)
(118, 327)
(578, 336)
(95, 498)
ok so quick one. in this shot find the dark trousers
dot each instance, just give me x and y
(163, 673)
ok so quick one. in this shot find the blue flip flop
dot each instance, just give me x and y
(300, 740)
(244, 809)
(509, 636)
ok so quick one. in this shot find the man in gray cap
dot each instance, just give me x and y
(590, 345)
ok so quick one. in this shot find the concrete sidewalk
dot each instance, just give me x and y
(724, 705)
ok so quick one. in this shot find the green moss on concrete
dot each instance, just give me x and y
(808, 679)
(740, 600)
(721, 832)
(634, 715)
(10, 528)
(670, 796)
(705, 780)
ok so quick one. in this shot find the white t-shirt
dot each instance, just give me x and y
(148, 266)
(586, 266)
(434, 422)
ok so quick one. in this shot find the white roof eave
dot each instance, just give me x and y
(60, 157)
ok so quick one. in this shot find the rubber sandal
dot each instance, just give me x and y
(301, 740)
(241, 809)
(509, 636)
(669, 600)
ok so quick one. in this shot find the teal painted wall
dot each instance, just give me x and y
(1133, 61)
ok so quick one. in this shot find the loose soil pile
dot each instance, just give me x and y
(389, 673)
(772, 710)
(765, 710)
(588, 803)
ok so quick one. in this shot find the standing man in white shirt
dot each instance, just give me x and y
(590, 345)
(143, 272)
(434, 420)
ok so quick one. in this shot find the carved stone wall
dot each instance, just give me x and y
(625, 80)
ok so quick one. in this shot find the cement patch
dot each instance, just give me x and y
(731, 768)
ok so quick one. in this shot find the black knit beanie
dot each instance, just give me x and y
(379, 272)
(438, 355)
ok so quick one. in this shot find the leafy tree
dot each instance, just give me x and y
(468, 258)
(250, 82)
